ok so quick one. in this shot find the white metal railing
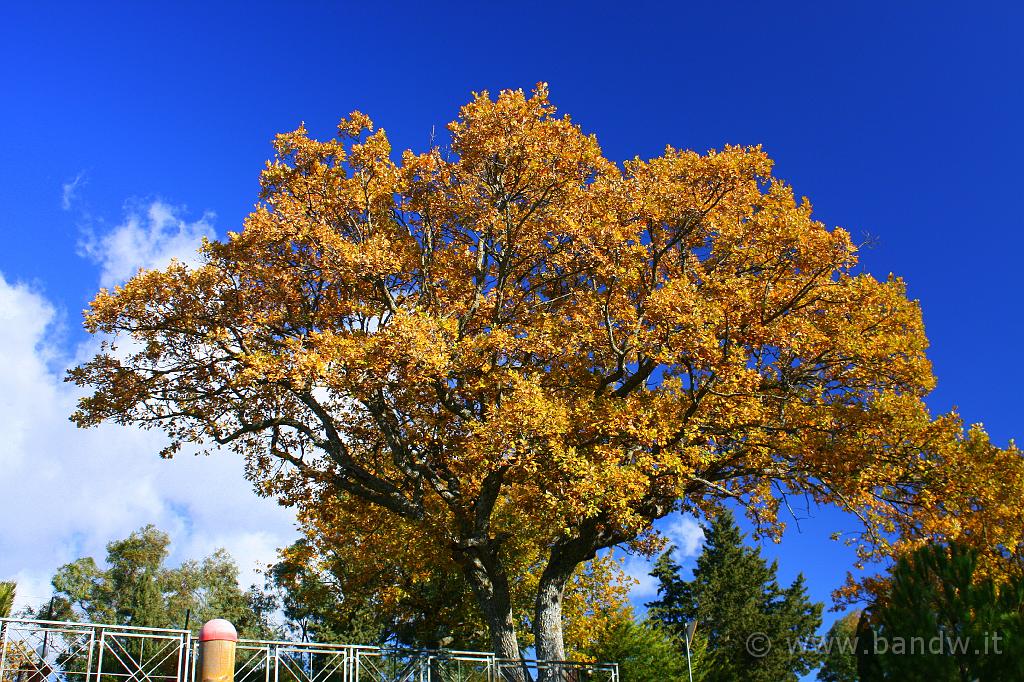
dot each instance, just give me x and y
(56, 651)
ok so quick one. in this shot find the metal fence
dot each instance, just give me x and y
(53, 651)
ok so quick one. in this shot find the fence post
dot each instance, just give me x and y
(217, 642)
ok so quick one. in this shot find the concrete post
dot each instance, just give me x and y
(217, 642)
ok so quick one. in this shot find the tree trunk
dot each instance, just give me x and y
(487, 577)
(548, 611)
(547, 625)
(565, 556)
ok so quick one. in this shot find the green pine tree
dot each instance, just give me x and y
(734, 595)
(671, 608)
(940, 622)
(840, 651)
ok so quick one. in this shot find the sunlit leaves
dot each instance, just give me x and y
(515, 336)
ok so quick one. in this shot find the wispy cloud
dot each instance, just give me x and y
(682, 532)
(685, 533)
(67, 491)
(150, 236)
(69, 191)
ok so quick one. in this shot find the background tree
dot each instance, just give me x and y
(734, 594)
(647, 652)
(19, 658)
(7, 591)
(519, 341)
(137, 588)
(940, 621)
(840, 664)
(322, 602)
(673, 608)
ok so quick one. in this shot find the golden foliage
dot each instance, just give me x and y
(384, 560)
(517, 337)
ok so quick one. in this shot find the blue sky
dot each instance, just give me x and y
(128, 130)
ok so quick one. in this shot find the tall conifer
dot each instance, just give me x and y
(740, 608)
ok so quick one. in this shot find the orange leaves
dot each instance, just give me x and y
(679, 186)
(353, 125)
(605, 342)
(973, 496)
(416, 345)
(524, 134)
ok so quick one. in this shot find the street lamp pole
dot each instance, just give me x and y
(691, 627)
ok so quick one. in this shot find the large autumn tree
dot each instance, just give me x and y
(517, 341)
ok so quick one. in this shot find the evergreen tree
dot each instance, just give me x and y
(647, 652)
(734, 595)
(869, 668)
(840, 650)
(670, 609)
(941, 622)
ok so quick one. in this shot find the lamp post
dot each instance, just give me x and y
(691, 628)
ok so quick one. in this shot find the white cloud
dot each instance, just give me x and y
(69, 191)
(645, 587)
(150, 236)
(686, 534)
(65, 491)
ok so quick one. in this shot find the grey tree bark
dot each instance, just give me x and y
(486, 575)
(565, 555)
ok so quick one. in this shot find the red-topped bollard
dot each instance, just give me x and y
(217, 642)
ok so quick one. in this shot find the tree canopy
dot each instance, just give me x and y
(840, 649)
(518, 341)
(136, 587)
(647, 652)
